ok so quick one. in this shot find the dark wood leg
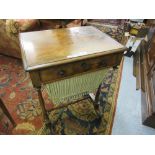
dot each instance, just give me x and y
(6, 112)
(44, 111)
(95, 100)
(98, 94)
(35, 77)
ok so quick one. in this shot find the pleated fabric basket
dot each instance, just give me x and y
(76, 87)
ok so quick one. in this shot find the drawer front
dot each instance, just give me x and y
(55, 73)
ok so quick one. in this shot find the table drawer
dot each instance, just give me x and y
(67, 70)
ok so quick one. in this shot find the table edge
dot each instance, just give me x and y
(64, 61)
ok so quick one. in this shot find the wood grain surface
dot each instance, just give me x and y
(52, 47)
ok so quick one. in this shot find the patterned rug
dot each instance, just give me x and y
(19, 97)
(22, 102)
(81, 118)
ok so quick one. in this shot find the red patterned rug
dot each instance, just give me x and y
(19, 96)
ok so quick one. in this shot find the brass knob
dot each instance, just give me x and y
(61, 73)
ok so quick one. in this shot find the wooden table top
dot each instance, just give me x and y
(46, 48)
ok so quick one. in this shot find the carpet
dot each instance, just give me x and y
(81, 118)
(110, 27)
(21, 99)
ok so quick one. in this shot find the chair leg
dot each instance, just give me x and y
(6, 112)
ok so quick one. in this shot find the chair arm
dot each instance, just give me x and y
(13, 27)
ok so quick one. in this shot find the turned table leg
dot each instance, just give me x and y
(35, 77)
(42, 104)
(44, 111)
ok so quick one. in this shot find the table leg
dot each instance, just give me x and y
(95, 100)
(44, 111)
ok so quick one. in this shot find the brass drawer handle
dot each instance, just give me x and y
(85, 66)
(61, 73)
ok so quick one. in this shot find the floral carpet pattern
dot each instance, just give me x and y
(81, 118)
(21, 100)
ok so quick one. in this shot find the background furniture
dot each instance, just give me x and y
(150, 22)
(144, 61)
(9, 30)
(6, 113)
